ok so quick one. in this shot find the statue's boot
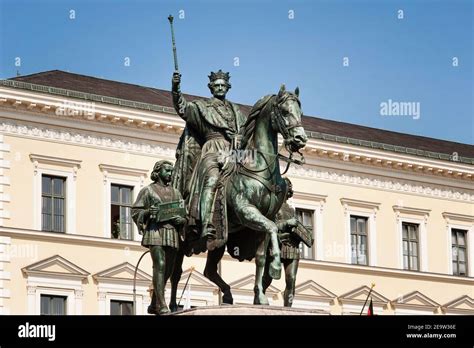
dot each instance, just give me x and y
(158, 305)
(161, 306)
(288, 296)
(208, 229)
(152, 307)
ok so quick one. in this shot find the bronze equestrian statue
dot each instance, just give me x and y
(246, 194)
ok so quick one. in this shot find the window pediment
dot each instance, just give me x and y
(310, 290)
(58, 161)
(113, 169)
(123, 272)
(56, 266)
(348, 202)
(359, 295)
(411, 211)
(246, 285)
(414, 300)
(458, 217)
(463, 304)
(197, 281)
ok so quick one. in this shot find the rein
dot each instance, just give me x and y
(276, 119)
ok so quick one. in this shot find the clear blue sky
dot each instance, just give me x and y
(407, 60)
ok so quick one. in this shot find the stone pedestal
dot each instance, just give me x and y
(249, 310)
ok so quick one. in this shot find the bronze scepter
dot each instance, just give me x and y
(175, 56)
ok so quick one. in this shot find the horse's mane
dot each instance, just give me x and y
(249, 126)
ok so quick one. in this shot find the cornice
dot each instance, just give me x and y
(401, 162)
(458, 217)
(358, 203)
(109, 168)
(87, 139)
(385, 271)
(345, 177)
(379, 182)
(411, 211)
(65, 162)
(92, 111)
(10, 95)
(321, 199)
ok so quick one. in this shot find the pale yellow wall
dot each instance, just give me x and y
(91, 258)
(386, 225)
(95, 259)
(90, 200)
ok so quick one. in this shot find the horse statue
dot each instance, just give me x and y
(253, 193)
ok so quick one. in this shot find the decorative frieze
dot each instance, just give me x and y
(382, 183)
(4, 180)
(90, 140)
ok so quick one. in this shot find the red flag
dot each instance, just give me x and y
(371, 308)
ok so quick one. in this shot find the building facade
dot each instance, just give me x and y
(392, 209)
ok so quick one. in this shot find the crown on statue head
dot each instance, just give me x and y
(219, 75)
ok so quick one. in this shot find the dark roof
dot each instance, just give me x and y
(337, 131)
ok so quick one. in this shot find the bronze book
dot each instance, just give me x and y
(170, 210)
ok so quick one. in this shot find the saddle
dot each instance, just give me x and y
(242, 243)
(219, 216)
(194, 243)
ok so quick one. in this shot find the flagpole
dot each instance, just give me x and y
(373, 284)
(185, 285)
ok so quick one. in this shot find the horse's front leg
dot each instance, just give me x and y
(251, 217)
(261, 263)
(211, 273)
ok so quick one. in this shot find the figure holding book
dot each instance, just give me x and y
(291, 233)
(159, 214)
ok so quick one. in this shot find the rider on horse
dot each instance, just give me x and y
(217, 122)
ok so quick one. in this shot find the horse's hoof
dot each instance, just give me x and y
(163, 310)
(260, 300)
(158, 311)
(152, 310)
(228, 299)
(274, 271)
(173, 308)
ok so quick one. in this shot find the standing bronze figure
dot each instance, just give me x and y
(291, 234)
(159, 213)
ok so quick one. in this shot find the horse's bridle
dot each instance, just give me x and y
(277, 119)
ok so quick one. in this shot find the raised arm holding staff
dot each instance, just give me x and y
(217, 122)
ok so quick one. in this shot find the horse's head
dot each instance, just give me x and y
(286, 119)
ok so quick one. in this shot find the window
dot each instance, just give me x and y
(306, 218)
(359, 240)
(459, 252)
(53, 305)
(121, 211)
(121, 307)
(410, 246)
(52, 203)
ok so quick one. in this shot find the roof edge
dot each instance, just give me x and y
(158, 108)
